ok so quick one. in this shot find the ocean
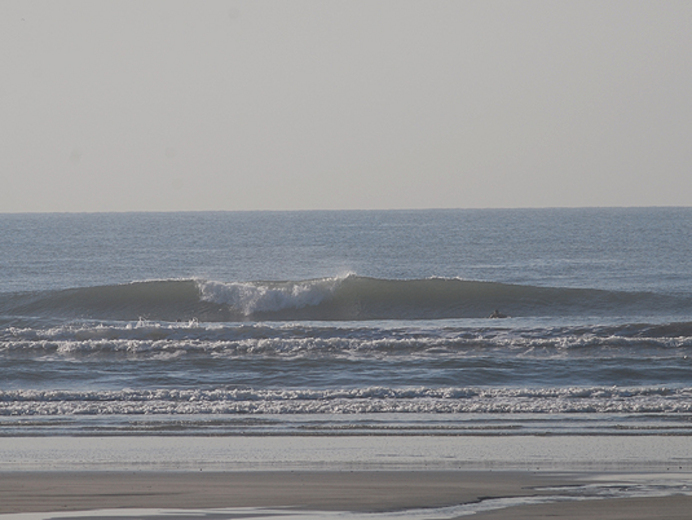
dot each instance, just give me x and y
(347, 323)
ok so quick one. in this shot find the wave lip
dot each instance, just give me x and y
(349, 298)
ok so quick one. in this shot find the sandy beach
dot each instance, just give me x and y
(368, 491)
(415, 477)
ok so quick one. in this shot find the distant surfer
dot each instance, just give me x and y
(497, 314)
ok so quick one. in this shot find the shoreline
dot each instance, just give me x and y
(361, 491)
(491, 495)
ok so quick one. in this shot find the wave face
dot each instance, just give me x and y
(349, 298)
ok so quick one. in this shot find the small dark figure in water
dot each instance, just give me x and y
(497, 314)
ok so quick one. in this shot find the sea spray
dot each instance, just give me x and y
(250, 298)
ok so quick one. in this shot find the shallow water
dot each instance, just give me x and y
(592, 453)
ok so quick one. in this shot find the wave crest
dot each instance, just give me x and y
(261, 297)
(349, 298)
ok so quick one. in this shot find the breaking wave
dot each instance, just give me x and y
(155, 340)
(348, 401)
(333, 299)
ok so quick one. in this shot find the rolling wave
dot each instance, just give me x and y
(348, 298)
(157, 340)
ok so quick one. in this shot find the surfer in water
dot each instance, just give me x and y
(497, 314)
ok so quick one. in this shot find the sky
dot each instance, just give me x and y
(344, 104)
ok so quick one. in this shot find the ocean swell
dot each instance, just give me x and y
(348, 298)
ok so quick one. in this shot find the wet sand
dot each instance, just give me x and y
(363, 491)
(360, 474)
(659, 508)
(313, 490)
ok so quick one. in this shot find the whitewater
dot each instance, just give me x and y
(347, 323)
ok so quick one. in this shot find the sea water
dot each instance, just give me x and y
(347, 323)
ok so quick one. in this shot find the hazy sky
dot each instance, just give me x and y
(330, 104)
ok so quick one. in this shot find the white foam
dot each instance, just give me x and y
(252, 297)
(369, 400)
